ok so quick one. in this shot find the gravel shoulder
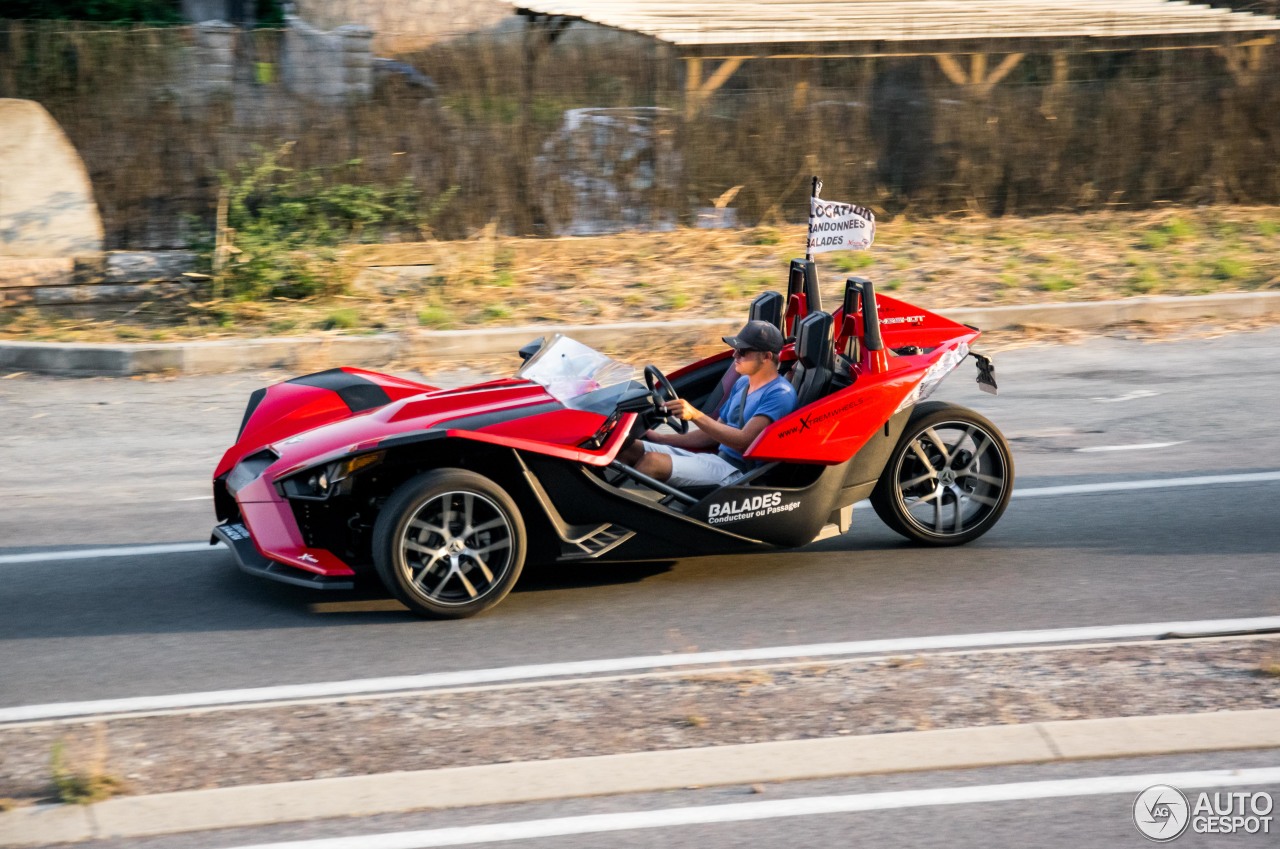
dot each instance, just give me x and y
(501, 724)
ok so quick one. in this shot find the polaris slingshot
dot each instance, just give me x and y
(447, 493)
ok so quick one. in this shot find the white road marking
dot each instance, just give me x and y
(1162, 483)
(1144, 446)
(198, 498)
(1128, 396)
(468, 835)
(465, 678)
(112, 551)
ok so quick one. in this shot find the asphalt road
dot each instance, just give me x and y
(91, 462)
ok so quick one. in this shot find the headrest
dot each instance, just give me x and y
(768, 307)
(813, 339)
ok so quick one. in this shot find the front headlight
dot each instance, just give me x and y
(324, 481)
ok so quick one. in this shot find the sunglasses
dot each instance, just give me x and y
(739, 353)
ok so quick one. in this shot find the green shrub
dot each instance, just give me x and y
(854, 262)
(81, 786)
(283, 227)
(1228, 268)
(345, 319)
(1146, 279)
(434, 317)
(1173, 230)
(1056, 283)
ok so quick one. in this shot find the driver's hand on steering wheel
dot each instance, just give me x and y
(682, 409)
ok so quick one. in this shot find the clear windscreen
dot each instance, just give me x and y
(579, 376)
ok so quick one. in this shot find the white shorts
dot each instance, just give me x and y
(694, 468)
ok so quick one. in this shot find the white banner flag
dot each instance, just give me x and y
(837, 226)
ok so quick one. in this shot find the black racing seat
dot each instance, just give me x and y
(811, 376)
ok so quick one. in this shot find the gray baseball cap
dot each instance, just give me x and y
(758, 336)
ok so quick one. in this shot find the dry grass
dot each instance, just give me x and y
(1270, 666)
(82, 778)
(938, 263)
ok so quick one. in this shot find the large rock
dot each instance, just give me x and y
(46, 199)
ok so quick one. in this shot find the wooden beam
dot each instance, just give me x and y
(1246, 61)
(696, 91)
(1002, 70)
(952, 69)
(978, 68)
(977, 76)
(1061, 68)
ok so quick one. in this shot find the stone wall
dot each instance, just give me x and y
(404, 25)
(327, 65)
(95, 280)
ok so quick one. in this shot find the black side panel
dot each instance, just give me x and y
(254, 400)
(358, 393)
(780, 515)
(579, 499)
(864, 470)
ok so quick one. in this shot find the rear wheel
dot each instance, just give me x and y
(949, 478)
(449, 544)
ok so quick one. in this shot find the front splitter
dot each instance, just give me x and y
(236, 537)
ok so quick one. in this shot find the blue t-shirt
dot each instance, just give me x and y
(774, 400)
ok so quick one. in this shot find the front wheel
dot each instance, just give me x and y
(449, 544)
(949, 478)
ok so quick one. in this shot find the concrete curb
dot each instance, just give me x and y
(530, 781)
(320, 352)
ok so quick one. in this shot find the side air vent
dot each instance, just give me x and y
(595, 542)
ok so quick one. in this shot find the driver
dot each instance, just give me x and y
(712, 454)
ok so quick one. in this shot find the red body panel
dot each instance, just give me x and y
(566, 446)
(275, 533)
(832, 429)
(290, 408)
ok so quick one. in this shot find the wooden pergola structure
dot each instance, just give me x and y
(716, 37)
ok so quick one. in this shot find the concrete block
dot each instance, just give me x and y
(72, 360)
(1100, 314)
(46, 207)
(454, 344)
(16, 297)
(24, 272)
(41, 825)
(1154, 735)
(146, 266)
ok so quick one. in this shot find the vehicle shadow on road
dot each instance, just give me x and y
(560, 576)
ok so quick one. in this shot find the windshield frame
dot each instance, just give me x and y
(579, 376)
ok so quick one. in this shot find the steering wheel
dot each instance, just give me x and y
(661, 391)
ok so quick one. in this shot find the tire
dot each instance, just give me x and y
(449, 544)
(949, 478)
